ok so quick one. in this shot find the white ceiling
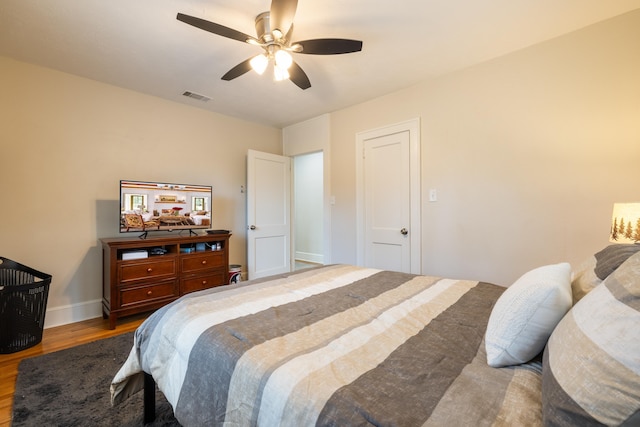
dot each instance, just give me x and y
(140, 45)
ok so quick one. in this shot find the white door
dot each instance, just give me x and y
(386, 194)
(388, 198)
(268, 214)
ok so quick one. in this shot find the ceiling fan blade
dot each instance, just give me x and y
(238, 70)
(281, 15)
(299, 77)
(329, 46)
(214, 28)
(287, 36)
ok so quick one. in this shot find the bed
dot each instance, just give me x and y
(343, 345)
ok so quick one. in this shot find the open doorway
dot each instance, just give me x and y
(308, 210)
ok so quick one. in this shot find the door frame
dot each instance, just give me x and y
(415, 233)
(313, 136)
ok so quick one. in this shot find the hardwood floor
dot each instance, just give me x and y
(54, 339)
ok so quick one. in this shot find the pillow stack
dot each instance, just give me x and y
(591, 363)
(591, 366)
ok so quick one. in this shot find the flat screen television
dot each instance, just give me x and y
(157, 206)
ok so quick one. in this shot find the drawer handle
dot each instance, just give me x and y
(149, 293)
(204, 261)
(204, 282)
(149, 270)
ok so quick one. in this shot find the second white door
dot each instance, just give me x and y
(389, 234)
(387, 202)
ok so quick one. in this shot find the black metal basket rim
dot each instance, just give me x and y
(39, 278)
(6, 263)
(25, 286)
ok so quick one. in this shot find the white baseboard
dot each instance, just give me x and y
(66, 314)
(309, 257)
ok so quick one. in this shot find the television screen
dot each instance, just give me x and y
(152, 206)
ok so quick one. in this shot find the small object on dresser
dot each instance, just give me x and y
(135, 255)
(218, 231)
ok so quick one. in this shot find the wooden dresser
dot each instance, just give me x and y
(144, 274)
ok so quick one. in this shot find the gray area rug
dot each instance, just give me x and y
(71, 388)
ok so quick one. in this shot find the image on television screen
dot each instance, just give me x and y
(157, 206)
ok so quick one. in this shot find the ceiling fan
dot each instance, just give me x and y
(274, 29)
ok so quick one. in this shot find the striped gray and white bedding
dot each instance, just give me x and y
(338, 345)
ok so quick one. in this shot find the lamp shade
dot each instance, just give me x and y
(625, 223)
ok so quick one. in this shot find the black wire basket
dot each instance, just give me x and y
(23, 303)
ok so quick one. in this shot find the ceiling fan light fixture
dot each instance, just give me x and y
(280, 73)
(276, 42)
(283, 59)
(259, 63)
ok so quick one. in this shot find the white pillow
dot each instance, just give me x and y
(526, 313)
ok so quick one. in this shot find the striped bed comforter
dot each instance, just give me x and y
(338, 345)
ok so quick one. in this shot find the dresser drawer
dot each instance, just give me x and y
(148, 293)
(199, 262)
(203, 282)
(136, 270)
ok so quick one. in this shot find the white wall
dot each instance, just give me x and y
(528, 153)
(308, 207)
(66, 143)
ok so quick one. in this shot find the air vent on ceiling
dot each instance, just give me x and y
(197, 96)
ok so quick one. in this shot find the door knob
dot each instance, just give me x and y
(404, 231)
(253, 227)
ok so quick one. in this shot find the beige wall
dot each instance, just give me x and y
(67, 141)
(528, 153)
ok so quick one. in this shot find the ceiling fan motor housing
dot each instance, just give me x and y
(263, 27)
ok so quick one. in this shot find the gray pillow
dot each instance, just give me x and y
(611, 257)
(598, 267)
(591, 365)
